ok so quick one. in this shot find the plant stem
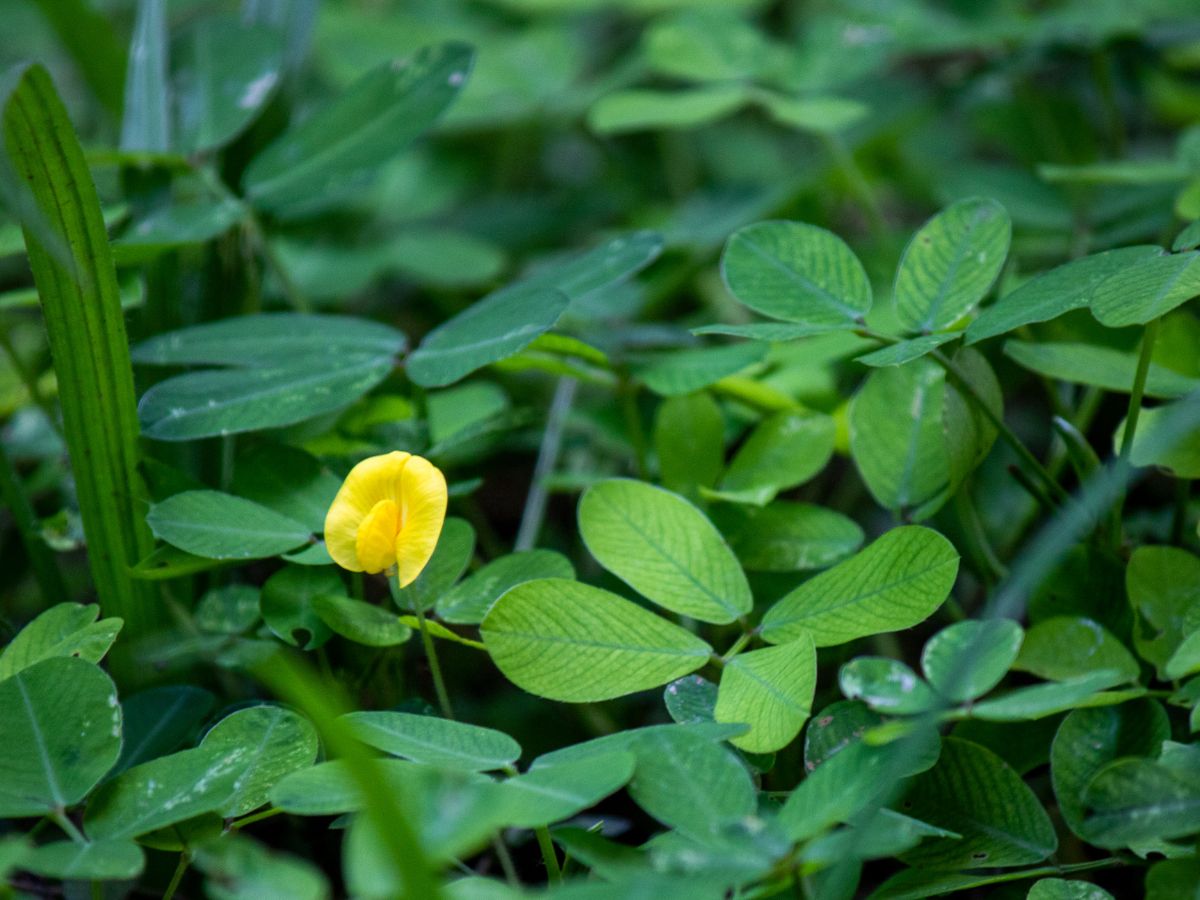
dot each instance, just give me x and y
(62, 821)
(627, 391)
(734, 650)
(846, 164)
(252, 818)
(549, 855)
(435, 666)
(185, 859)
(1136, 393)
(547, 460)
(506, 862)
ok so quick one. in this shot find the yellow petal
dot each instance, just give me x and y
(376, 540)
(422, 512)
(372, 480)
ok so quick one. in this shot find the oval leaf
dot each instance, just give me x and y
(770, 690)
(433, 741)
(969, 658)
(221, 526)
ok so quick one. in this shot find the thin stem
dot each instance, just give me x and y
(992, 569)
(737, 647)
(252, 818)
(549, 854)
(435, 666)
(63, 821)
(1136, 393)
(633, 424)
(846, 164)
(506, 862)
(535, 500)
(185, 860)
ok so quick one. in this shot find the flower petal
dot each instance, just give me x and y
(375, 544)
(422, 512)
(372, 480)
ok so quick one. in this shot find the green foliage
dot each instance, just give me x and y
(817, 400)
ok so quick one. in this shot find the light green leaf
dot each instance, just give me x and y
(496, 327)
(770, 690)
(231, 401)
(1061, 889)
(342, 145)
(66, 629)
(556, 792)
(711, 43)
(224, 71)
(469, 601)
(640, 109)
(1147, 289)
(784, 450)
(363, 623)
(1042, 700)
(968, 659)
(1069, 646)
(951, 263)
(146, 123)
(1133, 800)
(96, 861)
(165, 791)
(271, 340)
(1163, 584)
(288, 604)
(584, 276)
(1089, 739)
(886, 685)
(902, 458)
(329, 788)
(664, 548)
(895, 583)
(221, 526)
(1102, 367)
(569, 641)
(821, 115)
(278, 742)
(678, 372)
(906, 351)
(799, 273)
(60, 726)
(689, 440)
(434, 741)
(975, 793)
(451, 556)
(1181, 460)
(238, 868)
(790, 537)
(1186, 658)
(1053, 293)
(765, 331)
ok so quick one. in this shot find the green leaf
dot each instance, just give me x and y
(641, 109)
(433, 741)
(1061, 889)
(1089, 739)
(799, 273)
(1186, 659)
(469, 601)
(72, 267)
(1133, 800)
(287, 480)
(902, 458)
(585, 276)
(288, 604)
(836, 727)
(968, 659)
(496, 327)
(951, 263)
(784, 450)
(770, 690)
(906, 351)
(1188, 239)
(238, 868)
(895, 583)
(706, 44)
(97, 861)
(790, 537)
(66, 629)
(165, 791)
(822, 116)
(1102, 367)
(968, 432)
(1053, 293)
(271, 340)
(231, 609)
(1170, 879)
(61, 729)
(1163, 584)
(678, 372)
(222, 526)
(688, 781)
(689, 440)
(363, 623)
(556, 792)
(1147, 289)
(221, 402)
(343, 144)
(159, 721)
(975, 793)
(146, 123)
(691, 699)
(1069, 646)
(1042, 700)
(664, 548)
(1177, 455)
(886, 685)
(573, 642)
(224, 71)
(278, 741)
(176, 225)
(451, 556)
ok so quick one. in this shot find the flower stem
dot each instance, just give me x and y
(185, 860)
(549, 855)
(435, 666)
(1136, 393)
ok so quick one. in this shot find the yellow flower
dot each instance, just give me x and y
(389, 512)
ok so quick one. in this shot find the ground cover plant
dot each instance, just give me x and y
(578, 449)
